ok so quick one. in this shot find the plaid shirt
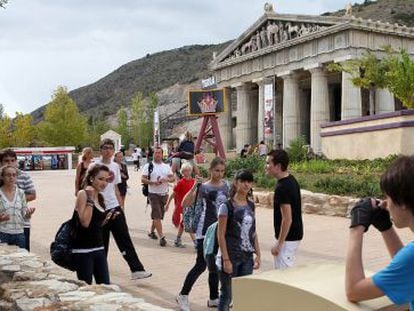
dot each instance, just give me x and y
(16, 209)
(24, 182)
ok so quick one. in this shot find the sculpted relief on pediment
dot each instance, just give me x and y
(272, 33)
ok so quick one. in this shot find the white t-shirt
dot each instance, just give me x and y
(110, 198)
(160, 170)
(139, 152)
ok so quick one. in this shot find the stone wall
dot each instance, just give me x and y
(314, 203)
(28, 283)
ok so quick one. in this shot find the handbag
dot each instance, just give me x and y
(189, 215)
(61, 247)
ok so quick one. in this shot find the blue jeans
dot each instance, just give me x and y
(13, 239)
(240, 268)
(92, 264)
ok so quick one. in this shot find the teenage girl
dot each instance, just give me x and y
(211, 195)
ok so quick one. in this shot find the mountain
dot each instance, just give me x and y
(392, 11)
(185, 66)
(151, 73)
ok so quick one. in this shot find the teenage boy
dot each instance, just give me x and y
(24, 182)
(287, 210)
(157, 181)
(117, 224)
(396, 280)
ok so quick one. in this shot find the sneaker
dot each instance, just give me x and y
(163, 241)
(140, 275)
(152, 235)
(182, 301)
(212, 303)
(178, 243)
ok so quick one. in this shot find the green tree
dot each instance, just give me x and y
(5, 131)
(95, 128)
(400, 76)
(63, 125)
(368, 72)
(138, 118)
(24, 133)
(123, 126)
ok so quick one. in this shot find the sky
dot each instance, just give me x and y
(73, 43)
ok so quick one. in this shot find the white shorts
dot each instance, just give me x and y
(286, 257)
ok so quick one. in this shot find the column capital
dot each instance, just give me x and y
(318, 71)
(288, 75)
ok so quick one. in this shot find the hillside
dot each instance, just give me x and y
(392, 11)
(149, 74)
(182, 66)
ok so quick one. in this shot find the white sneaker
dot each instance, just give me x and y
(182, 301)
(140, 275)
(212, 303)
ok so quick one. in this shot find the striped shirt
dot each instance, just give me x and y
(16, 209)
(24, 182)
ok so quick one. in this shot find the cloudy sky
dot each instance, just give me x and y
(46, 43)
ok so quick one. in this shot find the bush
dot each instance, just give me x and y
(361, 186)
(254, 163)
(297, 150)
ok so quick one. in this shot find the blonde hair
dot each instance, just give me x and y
(186, 166)
(188, 135)
(87, 151)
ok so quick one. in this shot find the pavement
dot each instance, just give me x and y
(325, 240)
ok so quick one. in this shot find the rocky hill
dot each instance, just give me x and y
(179, 68)
(392, 11)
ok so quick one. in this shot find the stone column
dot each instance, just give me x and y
(384, 101)
(225, 121)
(319, 110)
(351, 105)
(260, 114)
(291, 103)
(244, 117)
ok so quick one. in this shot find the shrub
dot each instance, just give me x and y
(253, 163)
(297, 150)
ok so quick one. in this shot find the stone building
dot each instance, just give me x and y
(288, 55)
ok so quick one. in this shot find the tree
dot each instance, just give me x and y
(95, 128)
(123, 126)
(137, 107)
(63, 125)
(400, 77)
(24, 132)
(368, 72)
(5, 132)
(3, 3)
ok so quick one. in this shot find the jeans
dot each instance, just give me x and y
(197, 270)
(17, 239)
(27, 238)
(92, 264)
(119, 229)
(240, 268)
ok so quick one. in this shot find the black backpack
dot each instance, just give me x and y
(145, 186)
(61, 247)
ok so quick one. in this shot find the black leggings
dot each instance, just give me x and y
(199, 267)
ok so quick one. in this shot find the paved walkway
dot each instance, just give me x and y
(325, 241)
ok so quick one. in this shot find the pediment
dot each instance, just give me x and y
(272, 30)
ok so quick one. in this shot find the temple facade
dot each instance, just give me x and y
(278, 88)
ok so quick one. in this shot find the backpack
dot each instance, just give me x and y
(61, 247)
(189, 215)
(210, 243)
(145, 190)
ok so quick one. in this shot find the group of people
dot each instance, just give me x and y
(260, 149)
(100, 210)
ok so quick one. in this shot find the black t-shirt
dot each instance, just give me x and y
(288, 192)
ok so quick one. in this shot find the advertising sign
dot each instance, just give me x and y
(203, 102)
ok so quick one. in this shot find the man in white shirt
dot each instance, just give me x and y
(157, 180)
(117, 223)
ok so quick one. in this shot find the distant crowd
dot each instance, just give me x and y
(220, 217)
